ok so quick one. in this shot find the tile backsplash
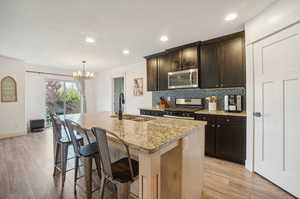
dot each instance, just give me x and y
(199, 93)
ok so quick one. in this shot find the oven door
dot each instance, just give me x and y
(183, 79)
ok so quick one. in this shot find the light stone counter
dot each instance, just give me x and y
(170, 154)
(205, 111)
(220, 112)
(148, 136)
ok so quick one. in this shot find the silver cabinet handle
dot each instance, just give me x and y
(213, 125)
(257, 114)
(218, 125)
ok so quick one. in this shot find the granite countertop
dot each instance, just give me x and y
(220, 112)
(205, 111)
(146, 136)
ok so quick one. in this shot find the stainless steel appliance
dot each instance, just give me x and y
(185, 108)
(183, 79)
(233, 103)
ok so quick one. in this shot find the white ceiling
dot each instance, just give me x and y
(52, 32)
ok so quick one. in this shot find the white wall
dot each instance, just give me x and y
(104, 88)
(278, 16)
(12, 115)
(36, 91)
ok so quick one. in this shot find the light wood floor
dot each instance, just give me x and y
(26, 166)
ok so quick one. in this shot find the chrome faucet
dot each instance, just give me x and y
(121, 101)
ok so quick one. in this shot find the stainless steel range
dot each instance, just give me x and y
(185, 108)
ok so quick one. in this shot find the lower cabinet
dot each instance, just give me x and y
(225, 137)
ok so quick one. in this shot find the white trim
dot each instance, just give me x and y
(249, 164)
(113, 87)
(12, 135)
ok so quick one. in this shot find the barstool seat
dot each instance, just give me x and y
(88, 150)
(121, 170)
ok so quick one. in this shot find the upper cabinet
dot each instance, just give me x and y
(189, 58)
(223, 62)
(209, 75)
(152, 73)
(232, 62)
(163, 68)
(174, 59)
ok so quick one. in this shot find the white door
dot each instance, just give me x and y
(277, 98)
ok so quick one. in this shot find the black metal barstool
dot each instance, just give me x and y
(87, 152)
(61, 142)
(121, 172)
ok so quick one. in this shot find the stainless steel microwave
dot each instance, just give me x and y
(183, 79)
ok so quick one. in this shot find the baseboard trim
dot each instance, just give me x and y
(249, 165)
(11, 135)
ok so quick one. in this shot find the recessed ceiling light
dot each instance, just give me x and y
(126, 52)
(231, 16)
(164, 38)
(90, 40)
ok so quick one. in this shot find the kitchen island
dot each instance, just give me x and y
(170, 152)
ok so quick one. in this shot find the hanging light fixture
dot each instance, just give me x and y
(83, 75)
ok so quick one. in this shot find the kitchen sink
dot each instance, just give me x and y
(135, 118)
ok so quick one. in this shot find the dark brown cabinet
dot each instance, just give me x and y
(223, 62)
(209, 66)
(225, 137)
(174, 59)
(210, 134)
(189, 58)
(231, 59)
(152, 72)
(163, 69)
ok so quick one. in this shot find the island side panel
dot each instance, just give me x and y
(149, 176)
(193, 164)
(171, 173)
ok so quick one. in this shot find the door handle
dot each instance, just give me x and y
(257, 114)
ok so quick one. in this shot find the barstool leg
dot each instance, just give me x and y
(88, 176)
(64, 160)
(56, 157)
(98, 165)
(123, 190)
(102, 187)
(76, 172)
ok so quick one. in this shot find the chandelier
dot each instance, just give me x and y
(83, 75)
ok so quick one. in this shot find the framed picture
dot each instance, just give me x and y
(8, 89)
(138, 87)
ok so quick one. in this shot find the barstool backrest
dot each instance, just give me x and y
(58, 127)
(73, 128)
(102, 142)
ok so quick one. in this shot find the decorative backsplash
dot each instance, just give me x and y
(199, 93)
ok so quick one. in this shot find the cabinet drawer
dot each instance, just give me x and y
(233, 120)
(208, 118)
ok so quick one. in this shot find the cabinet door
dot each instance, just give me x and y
(174, 59)
(232, 66)
(210, 140)
(163, 69)
(210, 134)
(230, 140)
(152, 69)
(189, 58)
(209, 77)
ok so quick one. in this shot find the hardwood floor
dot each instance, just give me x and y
(26, 166)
